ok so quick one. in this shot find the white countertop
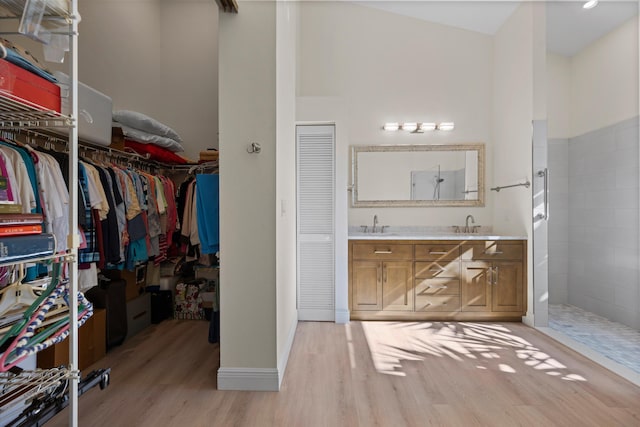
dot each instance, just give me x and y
(428, 233)
(434, 236)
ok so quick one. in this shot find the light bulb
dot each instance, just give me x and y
(425, 127)
(409, 127)
(446, 126)
(590, 4)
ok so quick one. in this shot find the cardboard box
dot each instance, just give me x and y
(135, 280)
(117, 138)
(92, 344)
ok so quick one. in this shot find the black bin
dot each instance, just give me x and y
(161, 306)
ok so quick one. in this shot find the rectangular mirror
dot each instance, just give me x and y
(417, 175)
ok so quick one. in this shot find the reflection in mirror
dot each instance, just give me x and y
(417, 175)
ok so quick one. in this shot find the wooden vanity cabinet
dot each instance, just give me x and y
(437, 280)
(493, 276)
(381, 277)
(437, 277)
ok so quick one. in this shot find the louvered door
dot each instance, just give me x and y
(315, 208)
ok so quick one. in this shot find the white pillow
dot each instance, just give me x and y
(139, 121)
(149, 138)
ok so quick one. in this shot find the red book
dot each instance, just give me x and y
(19, 230)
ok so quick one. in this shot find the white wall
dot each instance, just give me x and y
(558, 95)
(158, 57)
(512, 115)
(286, 50)
(604, 80)
(411, 71)
(597, 87)
(247, 88)
(512, 130)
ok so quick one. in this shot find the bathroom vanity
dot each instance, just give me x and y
(441, 277)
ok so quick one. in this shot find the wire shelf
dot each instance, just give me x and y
(15, 8)
(21, 388)
(65, 257)
(16, 112)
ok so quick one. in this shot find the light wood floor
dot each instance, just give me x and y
(365, 374)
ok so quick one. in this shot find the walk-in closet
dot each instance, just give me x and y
(109, 198)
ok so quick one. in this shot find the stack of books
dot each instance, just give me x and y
(18, 224)
(22, 237)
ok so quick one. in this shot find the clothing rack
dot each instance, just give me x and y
(50, 141)
(211, 166)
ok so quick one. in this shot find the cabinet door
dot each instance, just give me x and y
(476, 286)
(507, 286)
(366, 285)
(397, 286)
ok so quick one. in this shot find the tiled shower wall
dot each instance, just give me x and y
(600, 222)
(558, 235)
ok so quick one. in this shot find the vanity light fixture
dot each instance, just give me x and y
(446, 126)
(590, 4)
(414, 127)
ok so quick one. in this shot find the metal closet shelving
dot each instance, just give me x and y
(16, 113)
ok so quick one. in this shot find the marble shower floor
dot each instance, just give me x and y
(618, 342)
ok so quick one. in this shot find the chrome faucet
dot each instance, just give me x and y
(375, 223)
(466, 224)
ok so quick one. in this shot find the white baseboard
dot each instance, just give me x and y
(342, 316)
(316, 315)
(284, 357)
(258, 379)
(248, 379)
(528, 320)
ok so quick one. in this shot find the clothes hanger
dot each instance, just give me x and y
(28, 313)
(28, 342)
(17, 294)
(32, 343)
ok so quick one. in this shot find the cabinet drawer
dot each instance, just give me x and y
(429, 270)
(450, 303)
(382, 251)
(492, 250)
(436, 251)
(431, 287)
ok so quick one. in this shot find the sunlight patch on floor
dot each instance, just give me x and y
(393, 344)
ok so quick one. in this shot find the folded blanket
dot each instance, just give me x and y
(156, 153)
(144, 123)
(149, 138)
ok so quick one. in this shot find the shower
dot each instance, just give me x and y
(437, 180)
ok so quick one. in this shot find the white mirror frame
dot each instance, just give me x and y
(355, 149)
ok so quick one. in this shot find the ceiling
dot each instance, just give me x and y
(570, 28)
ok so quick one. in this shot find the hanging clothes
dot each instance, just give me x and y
(208, 212)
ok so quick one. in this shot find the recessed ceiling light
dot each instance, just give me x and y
(590, 4)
